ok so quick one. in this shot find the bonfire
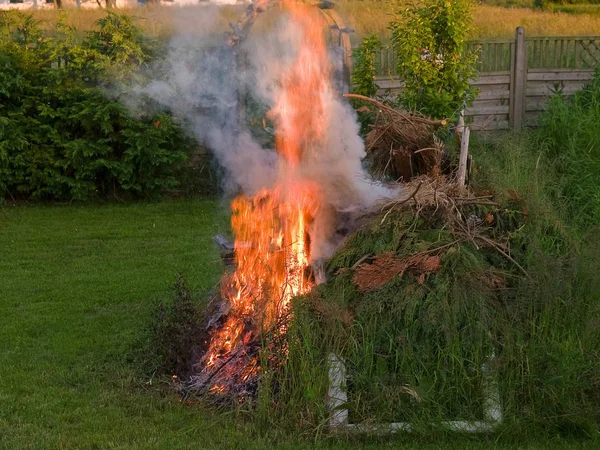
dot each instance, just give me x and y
(274, 228)
(285, 231)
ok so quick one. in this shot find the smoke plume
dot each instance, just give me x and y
(200, 84)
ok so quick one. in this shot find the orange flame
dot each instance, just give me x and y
(273, 228)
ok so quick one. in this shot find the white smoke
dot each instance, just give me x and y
(197, 81)
(200, 85)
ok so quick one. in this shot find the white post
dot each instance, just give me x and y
(464, 152)
(492, 405)
(337, 392)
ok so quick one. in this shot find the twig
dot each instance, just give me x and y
(394, 205)
(389, 159)
(363, 259)
(476, 202)
(441, 247)
(227, 361)
(438, 123)
(499, 248)
(425, 149)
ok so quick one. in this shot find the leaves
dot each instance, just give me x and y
(429, 41)
(365, 69)
(61, 136)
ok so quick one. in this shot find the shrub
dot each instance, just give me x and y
(429, 40)
(175, 333)
(365, 68)
(61, 135)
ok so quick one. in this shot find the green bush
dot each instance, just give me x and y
(61, 135)
(429, 40)
(365, 68)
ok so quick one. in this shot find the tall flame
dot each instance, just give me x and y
(272, 229)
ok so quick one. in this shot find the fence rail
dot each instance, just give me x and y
(516, 76)
(495, 55)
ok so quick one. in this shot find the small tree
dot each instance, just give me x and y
(429, 40)
(365, 69)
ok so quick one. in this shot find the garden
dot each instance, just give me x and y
(123, 154)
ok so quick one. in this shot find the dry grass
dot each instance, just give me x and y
(372, 16)
(496, 22)
(157, 21)
(364, 16)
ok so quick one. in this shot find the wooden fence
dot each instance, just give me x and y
(516, 76)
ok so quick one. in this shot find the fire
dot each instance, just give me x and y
(272, 229)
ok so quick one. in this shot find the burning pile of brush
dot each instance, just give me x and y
(320, 199)
(279, 230)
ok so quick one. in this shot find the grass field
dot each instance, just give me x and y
(577, 9)
(77, 287)
(364, 16)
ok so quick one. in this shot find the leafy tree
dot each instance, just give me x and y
(429, 40)
(365, 69)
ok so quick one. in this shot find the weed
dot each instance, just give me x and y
(176, 332)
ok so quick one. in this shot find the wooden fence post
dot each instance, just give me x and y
(519, 80)
(464, 152)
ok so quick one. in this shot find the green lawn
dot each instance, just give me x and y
(77, 284)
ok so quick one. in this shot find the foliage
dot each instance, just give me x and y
(62, 136)
(414, 348)
(429, 41)
(364, 71)
(365, 68)
(570, 134)
(176, 331)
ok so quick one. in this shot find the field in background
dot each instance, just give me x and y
(372, 16)
(365, 17)
(577, 9)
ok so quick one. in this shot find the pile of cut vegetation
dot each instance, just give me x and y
(437, 287)
(400, 144)
(411, 304)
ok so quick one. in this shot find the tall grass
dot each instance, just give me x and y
(576, 9)
(156, 21)
(558, 335)
(496, 22)
(414, 352)
(570, 132)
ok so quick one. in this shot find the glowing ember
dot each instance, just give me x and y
(273, 228)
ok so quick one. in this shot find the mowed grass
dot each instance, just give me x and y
(77, 286)
(363, 16)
